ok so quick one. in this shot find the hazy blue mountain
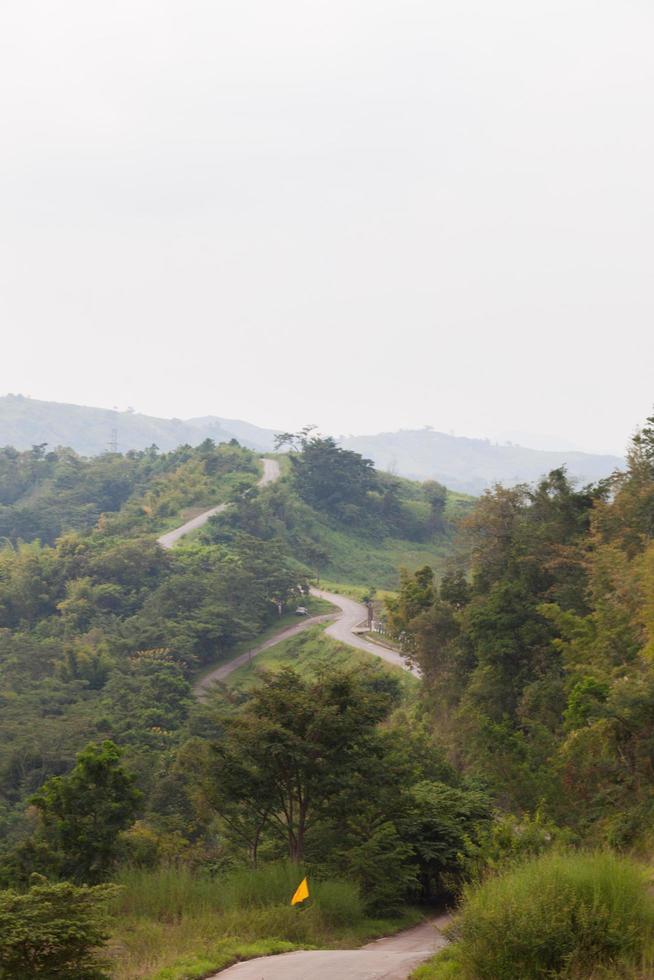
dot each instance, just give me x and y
(25, 422)
(464, 464)
(471, 465)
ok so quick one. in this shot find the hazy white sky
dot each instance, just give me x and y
(362, 213)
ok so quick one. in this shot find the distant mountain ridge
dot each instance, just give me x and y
(468, 465)
(472, 465)
(25, 422)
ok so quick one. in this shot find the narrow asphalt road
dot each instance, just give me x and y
(168, 540)
(347, 615)
(392, 958)
(352, 615)
(203, 686)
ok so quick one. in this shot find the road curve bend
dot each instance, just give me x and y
(352, 615)
(169, 540)
(391, 958)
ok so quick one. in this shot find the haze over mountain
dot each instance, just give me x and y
(469, 465)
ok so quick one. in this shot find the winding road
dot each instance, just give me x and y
(391, 958)
(168, 540)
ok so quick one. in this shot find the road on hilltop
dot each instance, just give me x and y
(347, 615)
(392, 958)
(270, 474)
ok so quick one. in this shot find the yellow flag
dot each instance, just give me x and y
(301, 892)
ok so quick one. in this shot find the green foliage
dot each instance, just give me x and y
(83, 813)
(53, 931)
(444, 822)
(44, 494)
(286, 755)
(391, 525)
(509, 840)
(381, 861)
(330, 478)
(171, 891)
(563, 915)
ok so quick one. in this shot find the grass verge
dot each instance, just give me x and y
(311, 652)
(173, 924)
(583, 915)
(315, 606)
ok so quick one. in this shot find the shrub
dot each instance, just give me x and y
(510, 840)
(382, 864)
(53, 931)
(560, 915)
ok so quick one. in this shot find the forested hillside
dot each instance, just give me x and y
(345, 521)
(528, 612)
(538, 665)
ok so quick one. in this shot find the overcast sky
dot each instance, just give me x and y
(368, 214)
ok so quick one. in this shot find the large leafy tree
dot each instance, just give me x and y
(328, 477)
(83, 812)
(286, 756)
(53, 930)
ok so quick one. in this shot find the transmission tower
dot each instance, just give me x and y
(113, 442)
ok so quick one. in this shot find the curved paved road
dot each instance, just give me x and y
(168, 540)
(352, 614)
(201, 688)
(392, 958)
(347, 615)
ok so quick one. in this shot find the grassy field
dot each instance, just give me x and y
(360, 561)
(357, 561)
(309, 653)
(173, 924)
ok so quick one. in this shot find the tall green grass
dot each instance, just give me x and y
(560, 915)
(169, 893)
(173, 923)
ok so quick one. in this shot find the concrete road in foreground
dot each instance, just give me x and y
(168, 540)
(392, 958)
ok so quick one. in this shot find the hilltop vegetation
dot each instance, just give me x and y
(46, 493)
(347, 523)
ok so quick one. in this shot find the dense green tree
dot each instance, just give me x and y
(53, 930)
(436, 496)
(83, 813)
(284, 758)
(332, 478)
